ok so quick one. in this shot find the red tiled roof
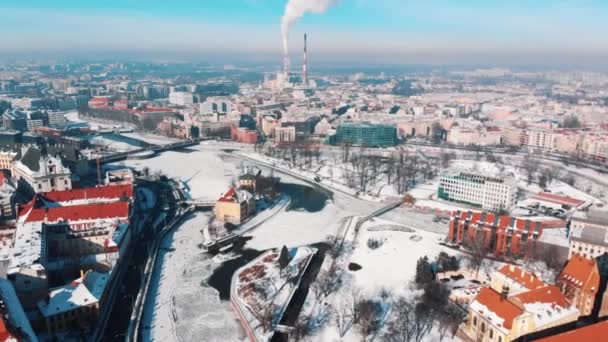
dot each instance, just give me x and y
(503, 308)
(105, 191)
(525, 279)
(548, 294)
(228, 196)
(80, 212)
(593, 332)
(582, 273)
(559, 199)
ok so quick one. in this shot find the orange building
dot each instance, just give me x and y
(580, 281)
(243, 135)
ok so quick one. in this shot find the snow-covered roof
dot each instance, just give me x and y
(499, 311)
(28, 246)
(81, 292)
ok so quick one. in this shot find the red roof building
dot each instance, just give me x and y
(580, 281)
(565, 201)
(77, 213)
(504, 236)
(95, 194)
(594, 332)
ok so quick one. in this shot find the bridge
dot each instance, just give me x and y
(201, 203)
(114, 157)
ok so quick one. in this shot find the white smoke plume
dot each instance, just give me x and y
(295, 9)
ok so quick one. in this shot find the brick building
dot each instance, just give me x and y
(504, 236)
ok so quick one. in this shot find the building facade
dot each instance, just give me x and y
(234, 206)
(365, 134)
(489, 193)
(504, 236)
(42, 172)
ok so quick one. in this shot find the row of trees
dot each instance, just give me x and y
(360, 168)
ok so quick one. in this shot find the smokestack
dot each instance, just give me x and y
(294, 10)
(286, 66)
(305, 64)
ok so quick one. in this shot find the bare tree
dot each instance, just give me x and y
(530, 166)
(448, 321)
(368, 319)
(423, 322)
(327, 282)
(346, 152)
(390, 168)
(401, 327)
(478, 252)
(446, 158)
(343, 319)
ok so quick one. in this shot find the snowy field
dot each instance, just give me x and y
(389, 269)
(393, 264)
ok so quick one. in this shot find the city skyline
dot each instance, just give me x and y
(437, 32)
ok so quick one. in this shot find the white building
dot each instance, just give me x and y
(181, 98)
(56, 118)
(589, 233)
(489, 193)
(590, 242)
(42, 173)
(538, 139)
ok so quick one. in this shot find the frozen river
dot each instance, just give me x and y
(184, 307)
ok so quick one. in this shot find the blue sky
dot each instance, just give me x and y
(434, 31)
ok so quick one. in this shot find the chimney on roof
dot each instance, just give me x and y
(504, 294)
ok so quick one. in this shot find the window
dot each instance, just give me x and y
(491, 333)
(474, 321)
(483, 327)
(499, 338)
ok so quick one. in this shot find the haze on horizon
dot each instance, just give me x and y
(542, 32)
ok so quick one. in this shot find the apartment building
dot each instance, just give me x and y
(489, 193)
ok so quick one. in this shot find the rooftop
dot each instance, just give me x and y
(81, 292)
(582, 273)
(521, 277)
(497, 309)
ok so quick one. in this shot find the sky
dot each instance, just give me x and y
(387, 31)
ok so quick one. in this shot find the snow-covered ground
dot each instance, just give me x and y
(151, 138)
(393, 264)
(113, 144)
(207, 175)
(181, 307)
(389, 268)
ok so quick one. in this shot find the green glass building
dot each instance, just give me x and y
(365, 134)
